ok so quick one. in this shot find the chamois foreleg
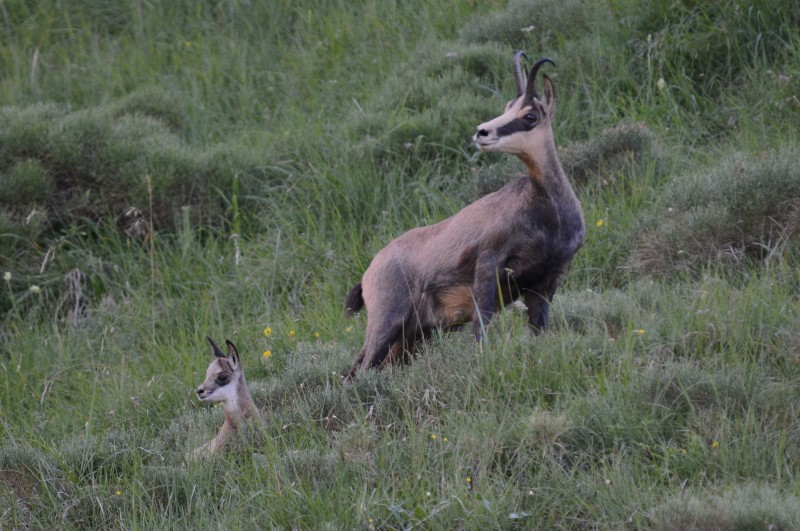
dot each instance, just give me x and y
(538, 303)
(538, 311)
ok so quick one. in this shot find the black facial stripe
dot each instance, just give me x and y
(517, 125)
(218, 379)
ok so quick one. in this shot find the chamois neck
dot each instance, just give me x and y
(240, 407)
(543, 165)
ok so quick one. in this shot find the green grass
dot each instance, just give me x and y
(285, 144)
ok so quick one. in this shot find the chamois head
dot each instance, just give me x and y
(527, 118)
(223, 377)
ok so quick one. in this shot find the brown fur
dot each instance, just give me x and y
(455, 305)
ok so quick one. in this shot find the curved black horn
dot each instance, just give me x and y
(217, 352)
(519, 77)
(531, 88)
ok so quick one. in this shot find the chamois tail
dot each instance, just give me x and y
(354, 301)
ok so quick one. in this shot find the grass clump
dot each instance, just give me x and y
(744, 207)
(79, 168)
(26, 184)
(750, 506)
(429, 106)
(621, 152)
(548, 22)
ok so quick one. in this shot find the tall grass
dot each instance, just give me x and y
(286, 143)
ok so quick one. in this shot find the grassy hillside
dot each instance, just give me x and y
(173, 171)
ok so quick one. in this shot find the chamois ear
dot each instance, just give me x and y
(548, 97)
(217, 352)
(233, 354)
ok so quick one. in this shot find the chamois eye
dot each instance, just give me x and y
(532, 118)
(222, 379)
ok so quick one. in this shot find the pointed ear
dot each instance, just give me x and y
(217, 352)
(548, 97)
(233, 354)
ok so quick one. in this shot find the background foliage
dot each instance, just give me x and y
(170, 171)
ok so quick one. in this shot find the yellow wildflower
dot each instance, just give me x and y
(268, 331)
(714, 444)
(119, 493)
(640, 332)
(433, 437)
(600, 222)
(267, 353)
(291, 333)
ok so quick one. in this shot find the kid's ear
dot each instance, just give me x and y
(548, 97)
(233, 354)
(217, 352)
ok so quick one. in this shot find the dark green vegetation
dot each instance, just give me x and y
(276, 146)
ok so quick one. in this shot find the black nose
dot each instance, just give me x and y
(482, 132)
(200, 390)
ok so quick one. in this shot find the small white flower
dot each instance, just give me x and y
(35, 289)
(7, 276)
(661, 84)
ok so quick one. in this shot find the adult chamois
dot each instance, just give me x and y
(515, 242)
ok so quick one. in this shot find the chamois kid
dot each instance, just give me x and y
(513, 243)
(225, 383)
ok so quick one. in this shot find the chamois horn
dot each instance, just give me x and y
(531, 88)
(519, 76)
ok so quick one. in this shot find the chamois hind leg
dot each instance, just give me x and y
(397, 354)
(485, 293)
(377, 345)
(404, 351)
